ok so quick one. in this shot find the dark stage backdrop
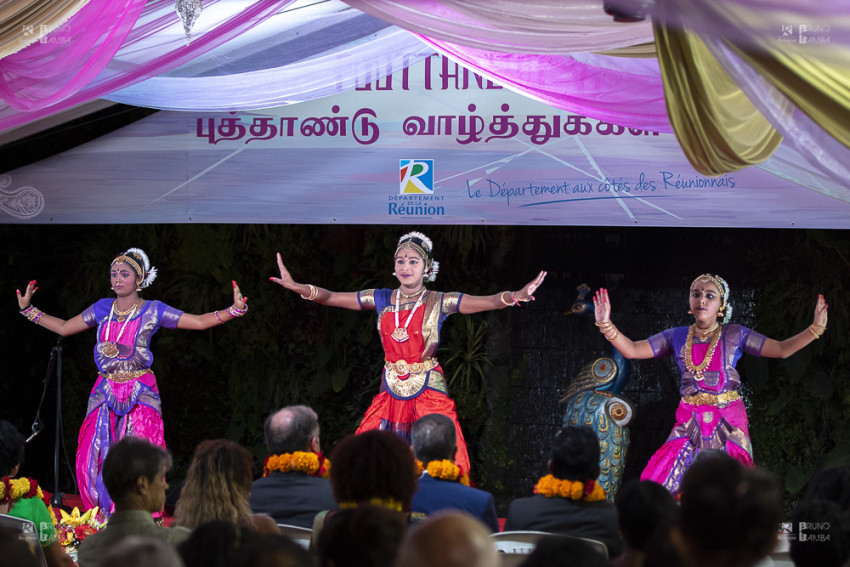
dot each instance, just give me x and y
(507, 369)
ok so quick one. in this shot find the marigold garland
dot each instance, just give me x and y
(446, 470)
(12, 489)
(388, 503)
(549, 486)
(307, 462)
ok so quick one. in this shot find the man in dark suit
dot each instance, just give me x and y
(434, 439)
(292, 497)
(574, 459)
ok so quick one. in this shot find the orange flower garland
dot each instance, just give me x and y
(15, 488)
(445, 470)
(307, 462)
(549, 486)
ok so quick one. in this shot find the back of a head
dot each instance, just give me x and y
(16, 552)
(217, 485)
(137, 551)
(366, 536)
(556, 551)
(127, 460)
(433, 438)
(211, 544)
(833, 484)
(641, 507)
(291, 429)
(448, 539)
(821, 536)
(373, 465)
(271, 550)
(11, 448)
(729, 511)
(575, 454)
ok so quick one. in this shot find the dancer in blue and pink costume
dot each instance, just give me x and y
(711, 414)
(125, 398)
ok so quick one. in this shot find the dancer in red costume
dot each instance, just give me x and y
(409, 322)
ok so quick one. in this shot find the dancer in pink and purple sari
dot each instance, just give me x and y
(711, 414)
(125, 398)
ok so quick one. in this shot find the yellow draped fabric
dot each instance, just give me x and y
(820, 88)
(717, 126)
(23, 22)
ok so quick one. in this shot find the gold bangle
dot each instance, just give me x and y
(314, 293)
(603, 324)
(615, 335)
(517, 298)
(816, 330)
(505, 303)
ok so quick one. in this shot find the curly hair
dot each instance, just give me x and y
(374, 464)
(217, 485)
(11, 448)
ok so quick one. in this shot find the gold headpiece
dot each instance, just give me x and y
(725, 311)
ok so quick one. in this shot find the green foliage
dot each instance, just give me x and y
(800, 409)
(467, 362)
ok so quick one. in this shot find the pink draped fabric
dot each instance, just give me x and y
(154, 18)
(67, 59)
(633, 98)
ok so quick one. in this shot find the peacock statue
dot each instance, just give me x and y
(593, 399)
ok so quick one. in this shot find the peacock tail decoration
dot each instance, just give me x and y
(593, 399)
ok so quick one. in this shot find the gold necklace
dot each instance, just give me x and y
(687, 350)
(123, 314)
(109, 349)
(703, 334)
(412, 295)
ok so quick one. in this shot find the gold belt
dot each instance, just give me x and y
(706, 399)
(125, 376)
(403, 368)
(407, 379)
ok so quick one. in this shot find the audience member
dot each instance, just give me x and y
(217, 488)
(569, 500)
(641, 508)
(366, 536)
(558, 550)
(136, 551)
(448, 539)
(212, 544)
(271, 550)
(821, 535)
(729, 513)
(442, 484)
(373, 469)
(292, 490)
(831, 483)
(16, 552)
(134, 477)
(24, 499)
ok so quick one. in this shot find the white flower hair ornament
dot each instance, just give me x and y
(147, 273)
(423, 246)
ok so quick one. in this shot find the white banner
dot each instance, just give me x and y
(434, 144)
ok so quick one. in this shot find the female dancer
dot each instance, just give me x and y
(125, 398)
(711, 414)
(409, 321)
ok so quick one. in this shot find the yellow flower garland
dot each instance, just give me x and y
(23, 488)
(298, 461)
(388, 503)
(447, 470)
(549, 486)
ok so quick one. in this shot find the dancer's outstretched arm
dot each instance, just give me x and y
(479, 303)
(783, 349)
(346, 300)
(627, 347)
